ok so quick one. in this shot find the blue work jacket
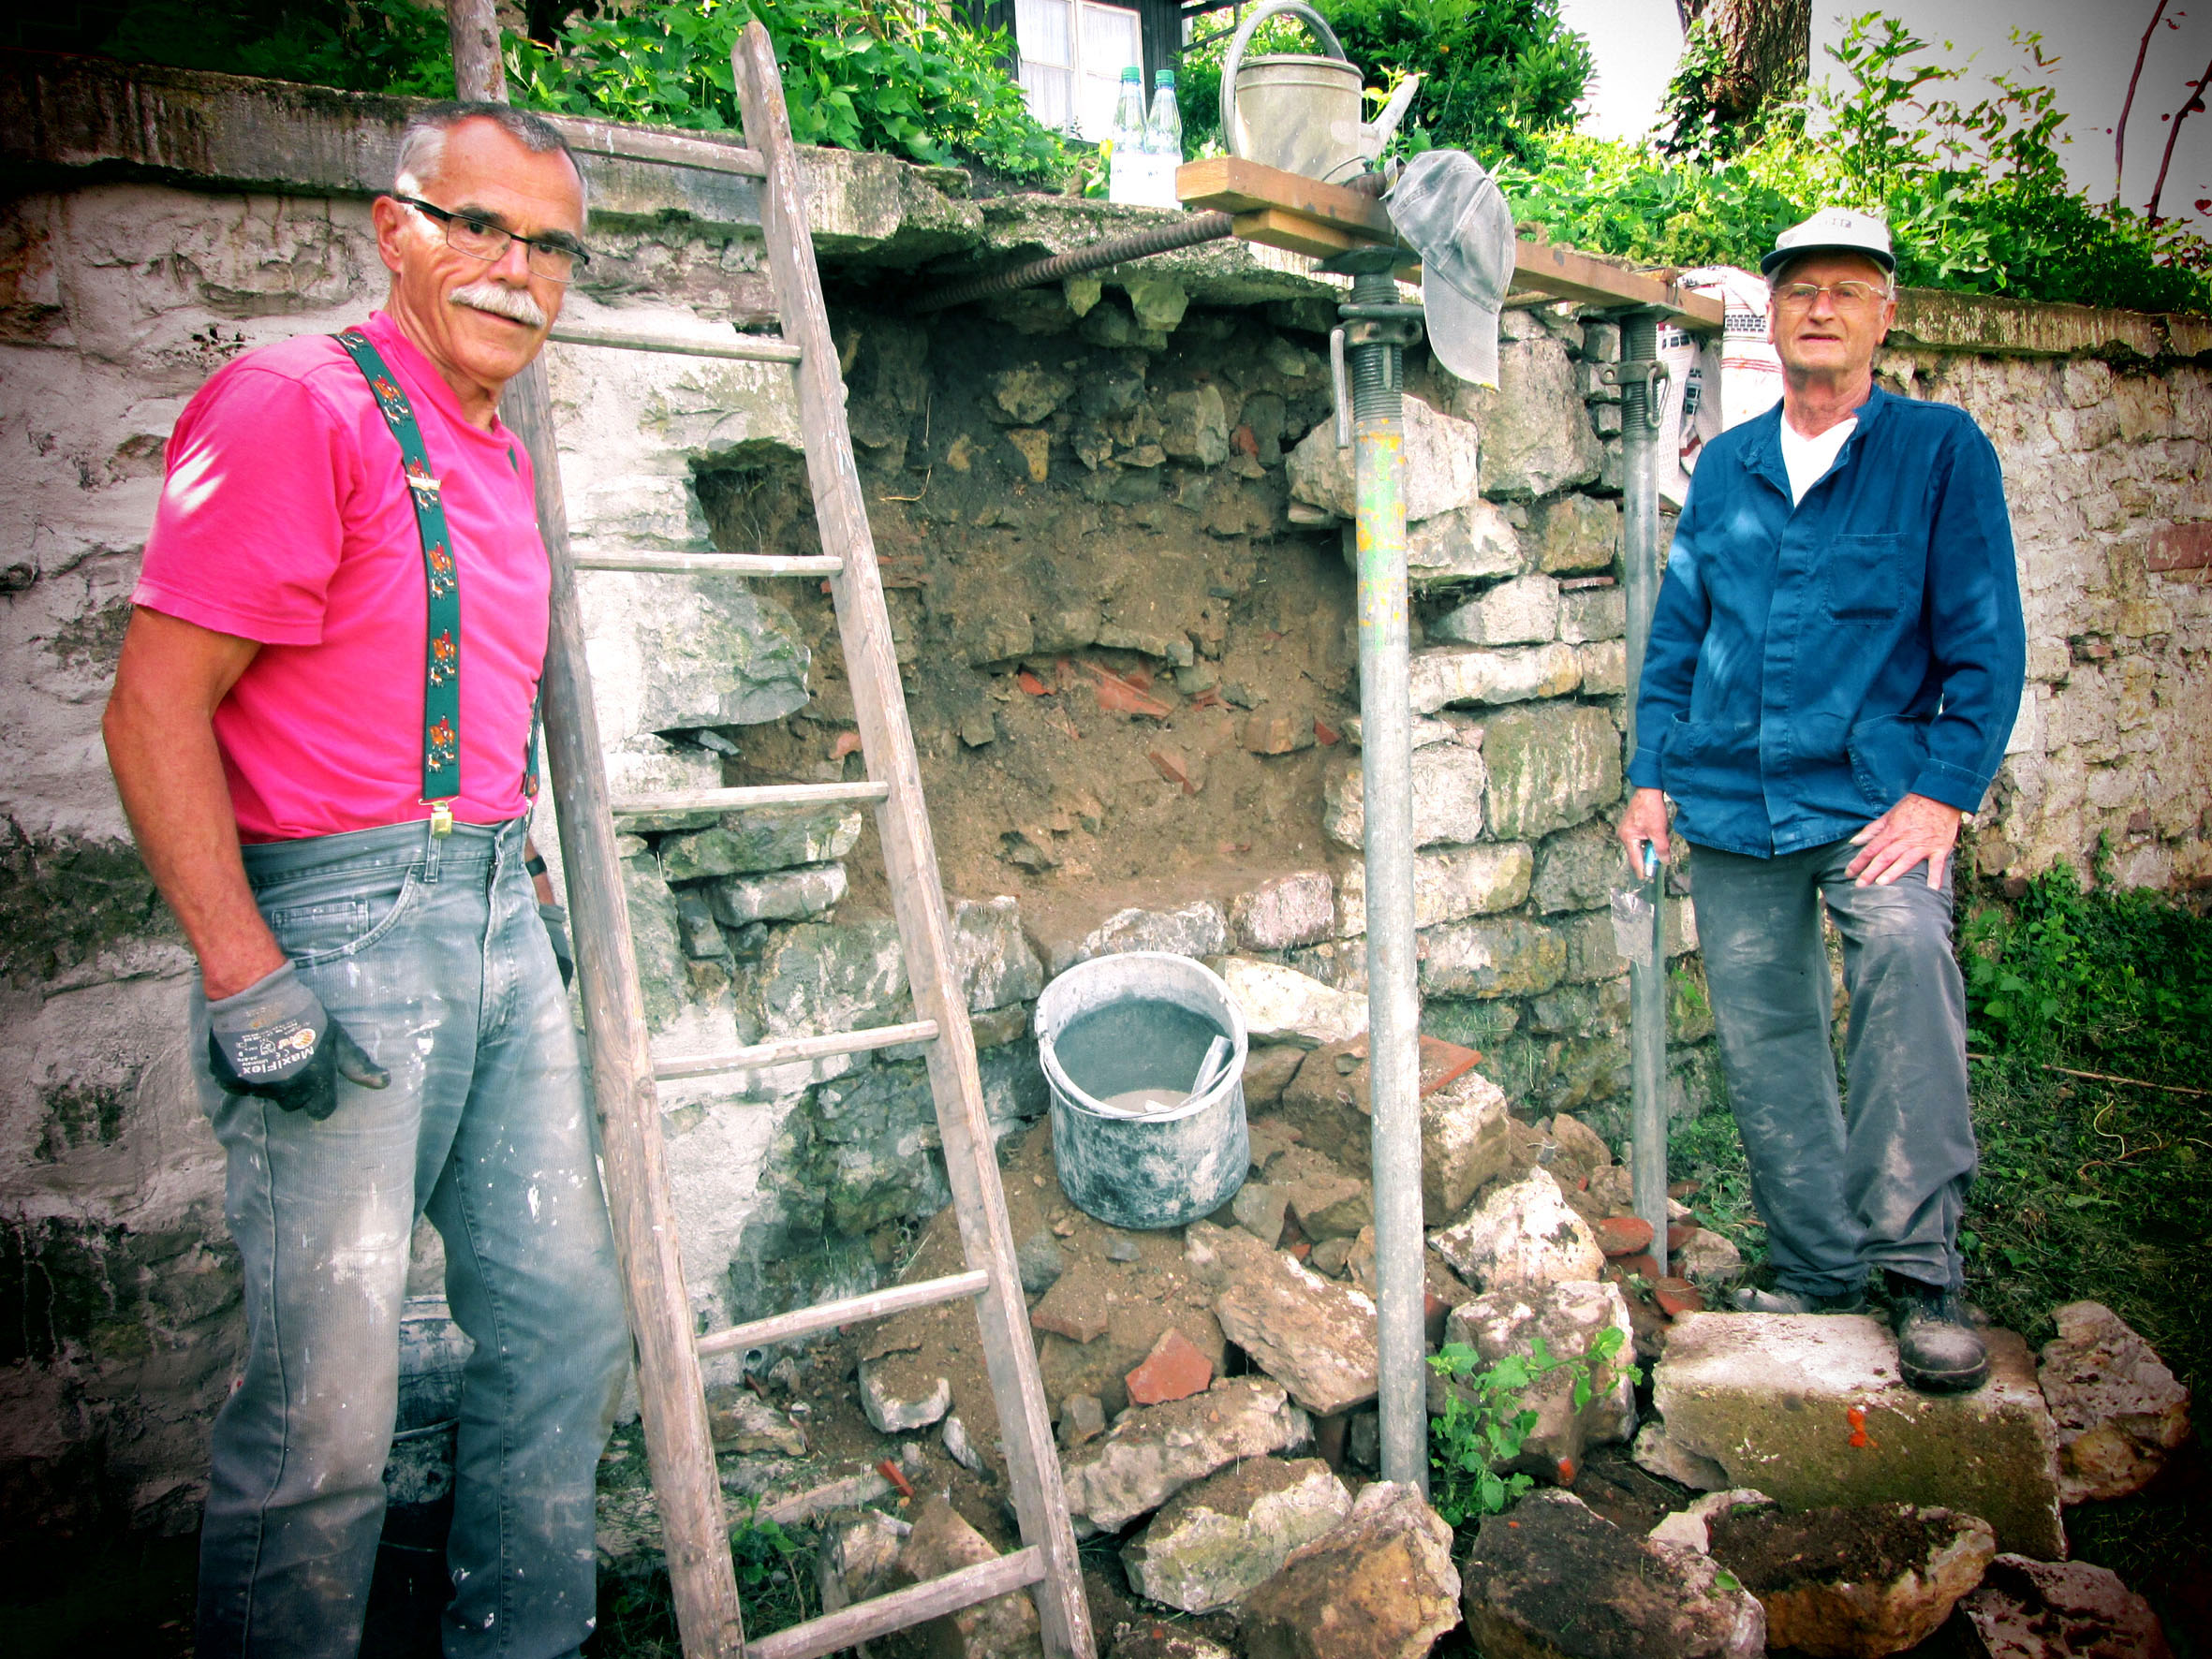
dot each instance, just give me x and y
(1809, 665)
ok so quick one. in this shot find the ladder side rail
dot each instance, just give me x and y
(671, 1395)
(910, 861)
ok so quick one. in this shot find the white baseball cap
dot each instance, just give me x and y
(1445, 208)
(1832, 230)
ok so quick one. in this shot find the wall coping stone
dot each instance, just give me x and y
(64, 119)
(71, 116)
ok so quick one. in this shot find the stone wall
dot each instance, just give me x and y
(1112, 513)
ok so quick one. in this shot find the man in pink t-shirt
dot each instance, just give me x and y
(322, 733)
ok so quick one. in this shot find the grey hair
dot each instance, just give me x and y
(422, 145)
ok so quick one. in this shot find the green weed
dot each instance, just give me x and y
(1484, 1425)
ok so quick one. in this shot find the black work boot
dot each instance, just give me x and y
(1798, 1301)
(1938, 1349)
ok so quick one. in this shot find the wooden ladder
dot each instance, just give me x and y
(671, 1396)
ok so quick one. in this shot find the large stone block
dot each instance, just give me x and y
(1154, 1451)
(777, 895)
(1212, 1542)
(1449, 780)
(1286, 911)
(1380, 1586)
(990, 956)
(1523, 611)
(1578, 868)
(1449, 884)
(1198, 929)
(1472, 543)
(675, 651)
(1578, 534)
(1282, 1005)
(1490, 956)
(1442, 676)
(823, 977)
(1312, 1335)
(2120, 1413)
(1550, 1580)
(1522, 1237)
(1811, 1409)
(1536, 438)
(1440, 473)
(763, 838)
(1550, 767)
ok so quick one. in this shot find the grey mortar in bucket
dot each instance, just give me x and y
(1143, 1019)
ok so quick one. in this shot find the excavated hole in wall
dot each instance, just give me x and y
(1083, 651)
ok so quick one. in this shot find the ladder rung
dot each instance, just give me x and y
(899, 1298)
(902, 1609)
(731, 801)
(711, 564)
(751, 348)
(630, 144)
(807, 1047)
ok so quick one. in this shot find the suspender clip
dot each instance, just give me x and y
(441, 817)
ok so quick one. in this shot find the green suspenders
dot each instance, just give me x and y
(441, 668)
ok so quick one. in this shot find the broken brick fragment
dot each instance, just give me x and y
(1624, 1235)
(1676, 1296)
(1175, 1369)
(1032, 685)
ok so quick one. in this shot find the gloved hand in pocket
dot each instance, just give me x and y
(275, 1039)
(557, 930)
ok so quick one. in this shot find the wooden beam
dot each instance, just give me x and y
(1306, 216)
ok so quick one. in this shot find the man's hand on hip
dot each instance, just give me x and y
(275, 1039)
(1916, 828)
(1645, 821)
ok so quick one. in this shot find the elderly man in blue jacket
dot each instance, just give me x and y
(1834, 665)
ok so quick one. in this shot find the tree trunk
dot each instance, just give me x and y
(1766, 46)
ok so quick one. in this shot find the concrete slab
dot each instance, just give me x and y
(1812, 1409)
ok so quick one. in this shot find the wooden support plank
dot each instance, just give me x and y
(1306, 216)
(621, 142)
(903, 1608)
(792, 1050)
(1232, 184)
(672, 1398)
(708, 563)
(738, 799)
(852, 1310)
(1294, 234)
(747, 348)
(917, 894)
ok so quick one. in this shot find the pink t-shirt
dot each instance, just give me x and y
(284, 519)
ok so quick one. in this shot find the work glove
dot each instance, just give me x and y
(275, 1039)
(556, 928)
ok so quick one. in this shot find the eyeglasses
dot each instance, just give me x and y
(555, 257)
(1849, 295)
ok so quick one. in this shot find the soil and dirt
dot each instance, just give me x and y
(1083, 651)
(1875, 1544)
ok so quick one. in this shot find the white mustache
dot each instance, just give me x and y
(500, 300)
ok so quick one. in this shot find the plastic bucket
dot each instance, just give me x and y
(432, 1352)
(1143, 1019)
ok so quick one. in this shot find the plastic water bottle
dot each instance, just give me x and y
(1163, 140)
(1125, 143)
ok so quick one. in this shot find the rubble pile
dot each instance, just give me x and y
(1213, 1393)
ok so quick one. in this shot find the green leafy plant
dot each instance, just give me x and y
(912, 81)
(1975, 192)
(1483, 1426)
(388, 46)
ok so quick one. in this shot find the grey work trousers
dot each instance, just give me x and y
(1881, 1185)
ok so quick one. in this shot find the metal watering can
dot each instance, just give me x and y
(1300, 113)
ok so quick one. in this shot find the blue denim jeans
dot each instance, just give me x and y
(1880, 1185)
(431, 952)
